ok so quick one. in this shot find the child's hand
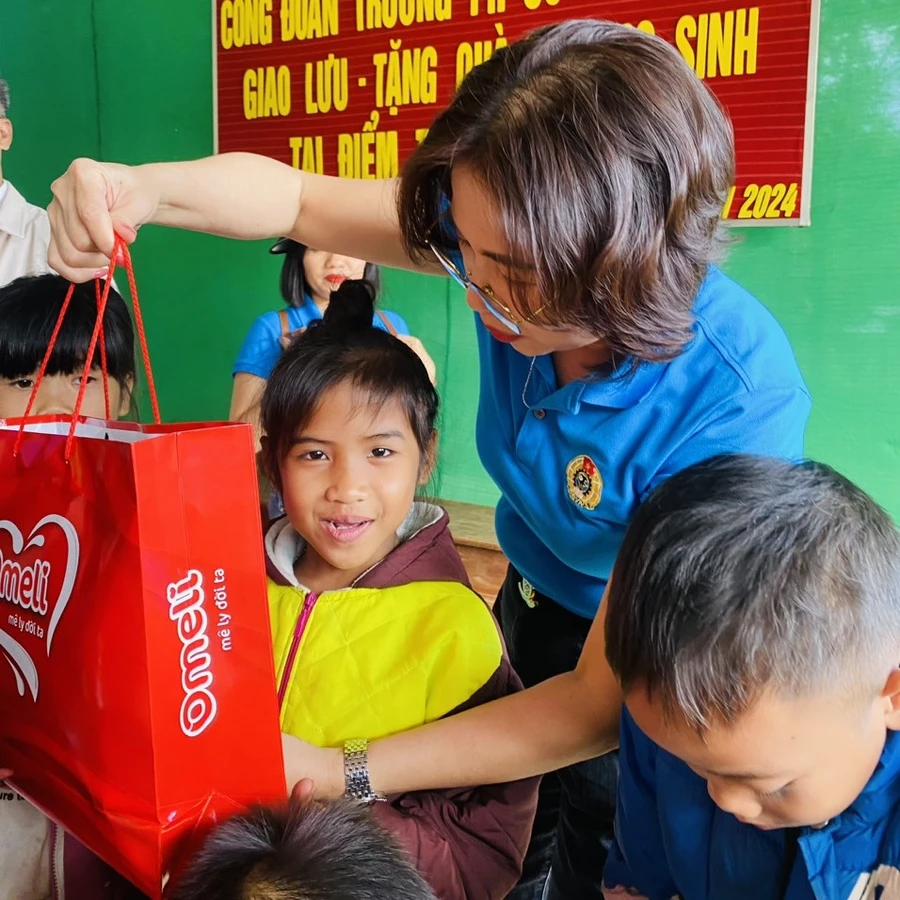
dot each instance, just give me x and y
(313, 772)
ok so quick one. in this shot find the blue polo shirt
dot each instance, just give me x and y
(262, 346)
(573, 469)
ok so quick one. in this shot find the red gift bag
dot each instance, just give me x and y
(137, 692)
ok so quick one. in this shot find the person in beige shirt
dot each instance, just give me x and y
(24, 236)
(24, 228)
(25, 838)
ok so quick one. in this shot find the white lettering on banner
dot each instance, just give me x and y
(186, 599)
(27, 587)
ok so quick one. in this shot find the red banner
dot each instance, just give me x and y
(348, 87)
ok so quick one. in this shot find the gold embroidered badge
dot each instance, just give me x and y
(584, 483)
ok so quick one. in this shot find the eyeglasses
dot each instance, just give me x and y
(503, 314)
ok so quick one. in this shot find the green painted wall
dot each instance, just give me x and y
(132, 82)
(54, 111)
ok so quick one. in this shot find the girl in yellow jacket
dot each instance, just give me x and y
(375, 627)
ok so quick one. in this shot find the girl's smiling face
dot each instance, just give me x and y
(349, 480)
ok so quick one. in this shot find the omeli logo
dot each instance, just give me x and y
(27, 586)
(186, 599)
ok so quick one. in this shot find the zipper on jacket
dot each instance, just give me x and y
(57, 855)
(299, 628)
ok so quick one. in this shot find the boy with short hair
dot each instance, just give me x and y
(302, 851)
(754, 624)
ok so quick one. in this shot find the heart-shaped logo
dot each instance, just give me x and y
(26, 586)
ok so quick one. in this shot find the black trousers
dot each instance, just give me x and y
(576, 805)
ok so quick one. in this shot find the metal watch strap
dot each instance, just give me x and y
(356, 772)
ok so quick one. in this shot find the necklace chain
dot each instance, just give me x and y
(527, 382)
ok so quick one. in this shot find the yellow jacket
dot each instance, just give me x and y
(408, 643)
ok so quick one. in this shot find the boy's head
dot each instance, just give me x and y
(301, 852)
(29, 310)
(349, 414)
(754, 622)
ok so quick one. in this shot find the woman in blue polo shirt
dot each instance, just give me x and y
(308, 277)
(574, 187)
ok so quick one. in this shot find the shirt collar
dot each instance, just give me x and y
(285, 545)
(882, 793)
(625, 389)
(12, 210)
(310, 306)
(619, 391)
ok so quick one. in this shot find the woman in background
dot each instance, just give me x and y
(308, 278)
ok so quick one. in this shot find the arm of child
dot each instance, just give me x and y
(418, 348)
(258, 355)
(246, 394)
(637, 865)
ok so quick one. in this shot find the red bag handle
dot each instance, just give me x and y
(103, 367)
(120, 247)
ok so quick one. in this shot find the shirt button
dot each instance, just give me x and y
(540, 414)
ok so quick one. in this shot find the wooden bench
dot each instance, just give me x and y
(475, 538)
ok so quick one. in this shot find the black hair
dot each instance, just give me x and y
(311, 851)
(343, 346)
(294, 287)
(29, 309)
(744, 573)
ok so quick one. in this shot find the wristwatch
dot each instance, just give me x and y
(356, 772)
